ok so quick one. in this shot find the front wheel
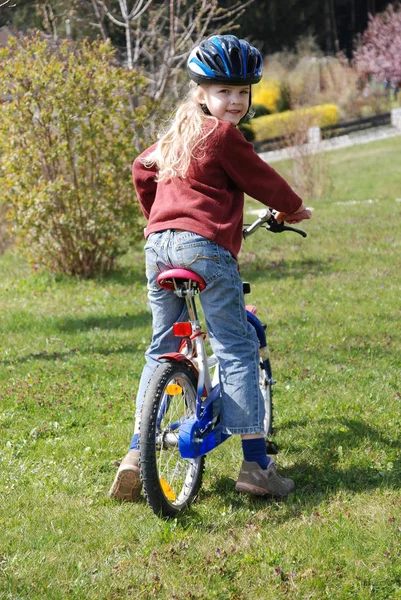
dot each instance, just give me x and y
(265, 385)
(170, 482)
(267, 393)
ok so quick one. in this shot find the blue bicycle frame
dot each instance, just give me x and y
(201, 433)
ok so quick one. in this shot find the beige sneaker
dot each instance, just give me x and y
(127, 482)
(253, 479)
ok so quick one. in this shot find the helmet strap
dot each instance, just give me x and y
(249, 106)
(206, 110)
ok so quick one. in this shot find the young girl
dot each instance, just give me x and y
(191, 187)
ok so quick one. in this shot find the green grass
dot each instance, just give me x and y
(71, 356)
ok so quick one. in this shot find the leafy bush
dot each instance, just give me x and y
(285, 101)
(287, 122)
(5, 240)
(247, 131)
(68, 135)
(267, 92)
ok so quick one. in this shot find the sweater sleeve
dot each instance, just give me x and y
(255, 177)
(144, 182)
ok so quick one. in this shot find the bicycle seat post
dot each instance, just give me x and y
(190, 294)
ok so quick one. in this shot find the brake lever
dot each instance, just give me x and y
(275, 227)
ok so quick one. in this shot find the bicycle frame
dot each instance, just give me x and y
(180, 420)
(202, 432)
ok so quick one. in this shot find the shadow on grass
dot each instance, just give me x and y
(106, 323)
(327, 480)
(323, 480)
(30, 322)
(69, 325)
(328, 475)
(74, 352)
(255, 268)
(131, 275)
(335, 445)
(345, 432)
(331, 472)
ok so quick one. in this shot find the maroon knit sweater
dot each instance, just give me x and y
(210, 199)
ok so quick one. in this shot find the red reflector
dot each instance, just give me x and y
(182, 329)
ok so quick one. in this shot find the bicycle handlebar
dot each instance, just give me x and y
(268, 221)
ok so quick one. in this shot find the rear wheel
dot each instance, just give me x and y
(170, 482)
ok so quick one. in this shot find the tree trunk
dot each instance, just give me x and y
(128, 38)
(352, 18)
(334, 26)
(327, 26)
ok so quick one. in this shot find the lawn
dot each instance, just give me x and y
(71, 356)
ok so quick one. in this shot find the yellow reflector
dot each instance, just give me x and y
(173, 389)
(168, 492)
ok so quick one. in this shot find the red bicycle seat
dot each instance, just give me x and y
(167, 278)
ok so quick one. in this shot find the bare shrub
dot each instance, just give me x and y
(307, 171)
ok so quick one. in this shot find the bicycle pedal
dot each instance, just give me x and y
(271, 447)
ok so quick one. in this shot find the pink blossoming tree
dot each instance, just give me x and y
(378, 52)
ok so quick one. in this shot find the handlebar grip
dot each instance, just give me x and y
(268, 220)
(248, 230)
(264, 218)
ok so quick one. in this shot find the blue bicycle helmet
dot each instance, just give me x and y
(225, 59)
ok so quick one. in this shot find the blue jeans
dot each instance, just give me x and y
(232, 338)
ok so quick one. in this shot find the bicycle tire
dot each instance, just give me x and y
(267, 393)
(170, 482)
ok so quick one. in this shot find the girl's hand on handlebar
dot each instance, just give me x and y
(300, 215)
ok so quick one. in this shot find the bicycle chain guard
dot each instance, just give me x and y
(197, 437)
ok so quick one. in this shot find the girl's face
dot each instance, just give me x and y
(226, 102)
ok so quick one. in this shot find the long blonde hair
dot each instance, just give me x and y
(177, 147)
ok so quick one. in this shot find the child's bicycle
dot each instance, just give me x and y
(180, 412)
